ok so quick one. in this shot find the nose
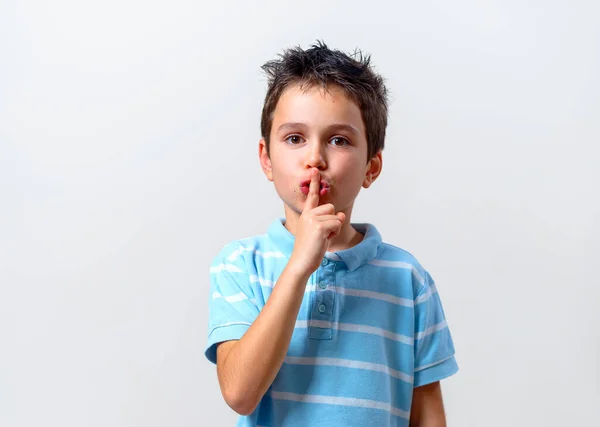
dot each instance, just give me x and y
(315, 156)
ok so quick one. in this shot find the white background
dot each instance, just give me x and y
(128, 158)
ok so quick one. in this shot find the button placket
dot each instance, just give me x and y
(324, 300)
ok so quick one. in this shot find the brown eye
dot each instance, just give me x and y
(339, 141)
(293, 139)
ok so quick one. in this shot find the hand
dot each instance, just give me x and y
(316, 227)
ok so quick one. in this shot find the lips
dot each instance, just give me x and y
(323, 187)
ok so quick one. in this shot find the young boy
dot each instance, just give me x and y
(318, 322)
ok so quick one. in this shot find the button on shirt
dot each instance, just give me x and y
(370, 328)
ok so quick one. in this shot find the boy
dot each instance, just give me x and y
(318, 322)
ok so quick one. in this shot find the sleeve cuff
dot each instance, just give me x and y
(223, 333)
(436, 372)
(220, 334)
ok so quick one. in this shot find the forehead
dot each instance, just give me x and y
(317, 107)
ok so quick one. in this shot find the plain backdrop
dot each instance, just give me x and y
(128, 157)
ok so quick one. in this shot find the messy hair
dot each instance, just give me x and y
(322, 67)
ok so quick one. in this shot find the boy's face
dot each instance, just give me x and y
(316, 129)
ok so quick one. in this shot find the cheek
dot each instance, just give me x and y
(283, 177)
(355, 172)
(283, 166)
(281, 173)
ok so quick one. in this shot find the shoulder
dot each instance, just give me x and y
(389, 255)
(395, 253)
(245, 251)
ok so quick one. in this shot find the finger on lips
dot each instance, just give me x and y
(315, 182)
(312, 200)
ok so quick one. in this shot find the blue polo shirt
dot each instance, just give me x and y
(370, 328)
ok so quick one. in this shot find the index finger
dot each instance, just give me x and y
(312, 199)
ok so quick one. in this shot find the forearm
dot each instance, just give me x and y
(427, 408)
(252, 364)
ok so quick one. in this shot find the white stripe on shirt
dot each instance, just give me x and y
(344, 401)
(432, 330)
(227, 267)
(422, 298)
(346, 363)
(349, 327)
(235, 254)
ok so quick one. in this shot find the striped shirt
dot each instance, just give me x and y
(370, 328)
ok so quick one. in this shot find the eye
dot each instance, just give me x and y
(338, 141)
(293, 139)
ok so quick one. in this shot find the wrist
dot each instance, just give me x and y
(298, 270)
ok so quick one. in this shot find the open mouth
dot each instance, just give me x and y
(323, 187)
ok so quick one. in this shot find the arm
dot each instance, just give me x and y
(247, 367)
(427, 408)
(434, 357)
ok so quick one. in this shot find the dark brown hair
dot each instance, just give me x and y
(323, 67)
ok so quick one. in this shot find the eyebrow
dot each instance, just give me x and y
(332, 127)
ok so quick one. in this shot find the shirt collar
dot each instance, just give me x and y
(353, 257)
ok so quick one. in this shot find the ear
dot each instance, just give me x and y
(373, 169)
(265, 161)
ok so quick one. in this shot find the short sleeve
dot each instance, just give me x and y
(434, 348)
(232, 304)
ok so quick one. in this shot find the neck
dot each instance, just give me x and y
(347, 238)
